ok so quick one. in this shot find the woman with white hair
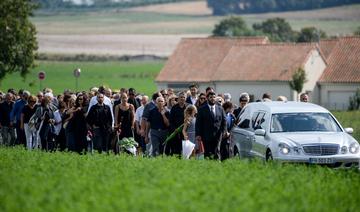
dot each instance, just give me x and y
(46, 129)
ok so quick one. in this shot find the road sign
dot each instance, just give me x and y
(41, 75)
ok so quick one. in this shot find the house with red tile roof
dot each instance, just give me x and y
(341, 77)
(256, 66)
(195, 60)
(257, 69)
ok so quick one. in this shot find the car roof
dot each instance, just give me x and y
(287, 107)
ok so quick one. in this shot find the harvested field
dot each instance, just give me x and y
(157, 29)
(160, 45)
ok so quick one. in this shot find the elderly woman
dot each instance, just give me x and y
(45, 114)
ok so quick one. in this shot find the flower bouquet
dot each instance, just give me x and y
(128, 144)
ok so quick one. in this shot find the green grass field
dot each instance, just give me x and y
(39, 181)
(59, 76)
(349, 119)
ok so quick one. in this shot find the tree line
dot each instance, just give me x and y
(97, 4)
(224, 7)
(276, 29)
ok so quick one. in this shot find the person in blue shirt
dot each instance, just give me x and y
(230, 120)
(15, 116)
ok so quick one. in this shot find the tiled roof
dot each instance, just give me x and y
(343, 62)
(327, 46)
(270, 62)
(197, 59)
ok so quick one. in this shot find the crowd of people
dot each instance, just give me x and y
(97, 120)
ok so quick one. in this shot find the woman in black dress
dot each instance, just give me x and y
(77, 125)
(124, 118)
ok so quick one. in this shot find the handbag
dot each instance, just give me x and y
(187, 148)
(32, 123)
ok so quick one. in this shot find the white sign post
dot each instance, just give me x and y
(77, 75)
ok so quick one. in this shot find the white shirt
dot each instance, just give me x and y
(107, 101)
(212, 109)
(193, 100)
(57, 118)
(139, 113)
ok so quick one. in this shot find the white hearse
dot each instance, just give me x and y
(293, 132)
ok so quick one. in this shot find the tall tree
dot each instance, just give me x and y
(17, 37)
(298, 81)
(233, 26)
(277, 29)
(311, 34)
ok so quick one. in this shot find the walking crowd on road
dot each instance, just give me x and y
(100, 120)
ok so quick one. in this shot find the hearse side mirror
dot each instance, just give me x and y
(260, 132)
(349, 130)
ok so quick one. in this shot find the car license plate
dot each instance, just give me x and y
(321, 160)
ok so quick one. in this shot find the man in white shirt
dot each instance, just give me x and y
(138, 117)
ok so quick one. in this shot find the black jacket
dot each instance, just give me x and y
(176, 117)
(188, 100)
(210, 127)
(100, 116)
(5, 110)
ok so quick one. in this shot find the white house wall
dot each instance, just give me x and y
(314, 68)
(254, 88)
(335, 96)
(183, 86)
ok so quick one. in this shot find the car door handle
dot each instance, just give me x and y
(247, 138)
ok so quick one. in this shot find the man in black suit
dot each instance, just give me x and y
(210, 126)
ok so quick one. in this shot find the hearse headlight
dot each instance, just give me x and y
(344, 149)
(354, 148)
(284, 148)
